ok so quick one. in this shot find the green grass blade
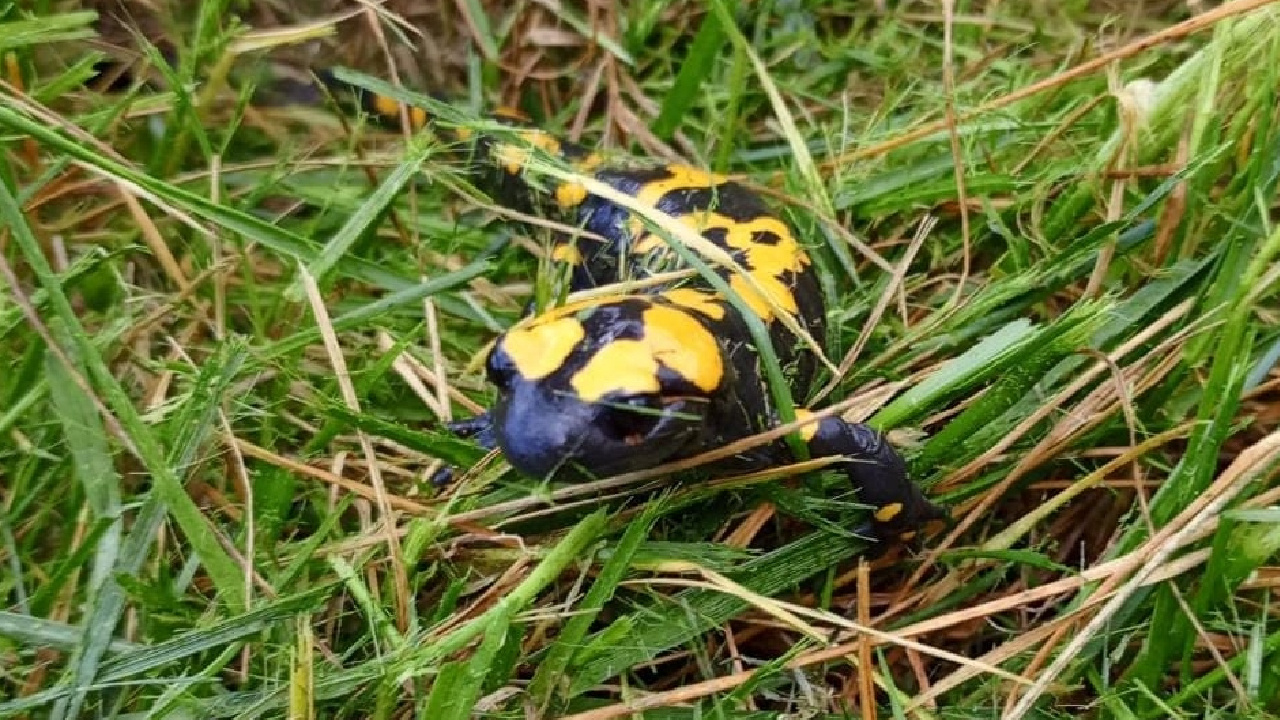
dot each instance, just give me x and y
(455, 693)
(48, 29)
(420, 659)
(655, 629)
(960, 374)
(551, 672)
(362, 221)
(233, 220)
(39, 632)
(1014, 380)
(697, 64)
(224, 633)
(148, 448)
(87, 441)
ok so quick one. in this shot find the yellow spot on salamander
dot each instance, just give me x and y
(513, 158)
(13, 70)
(570, 194)
(707, 303)
(589, 163)
(673, 339)
(765, 245)
(506, 112)
(769, 251)
(645, 242)
(389, 110)
(682, 177)
(807, 432)
(385, 106)
(684, 345)
(888, 512)
(540, 348)
(567, 253)
(636, 228)
(755, 302)
(626, 367)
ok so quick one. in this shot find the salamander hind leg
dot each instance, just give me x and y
(878, 473)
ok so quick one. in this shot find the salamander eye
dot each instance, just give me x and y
(632, 418)
(499, 369)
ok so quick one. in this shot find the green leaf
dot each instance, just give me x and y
(363, 220)
(86, 440)
(46, 30)
(235, 221)
(214, 637)
(657, 627)
(1030, 558)
(419, 658)
(962, 373)
(684, 93)
(552, 670)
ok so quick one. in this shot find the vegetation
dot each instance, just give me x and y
(232, 329)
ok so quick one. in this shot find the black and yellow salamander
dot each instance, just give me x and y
(628, 381)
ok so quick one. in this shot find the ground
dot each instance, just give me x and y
(234, 329)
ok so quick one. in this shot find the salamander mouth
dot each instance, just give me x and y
(616, 438)
(648, 418)
(651, 438)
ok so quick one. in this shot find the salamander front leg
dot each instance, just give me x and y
(900, 509)
(478, 428)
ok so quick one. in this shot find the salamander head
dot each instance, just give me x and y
(606, 387)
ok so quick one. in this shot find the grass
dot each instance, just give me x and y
(1046, 233)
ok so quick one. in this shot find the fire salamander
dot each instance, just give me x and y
(629, 381)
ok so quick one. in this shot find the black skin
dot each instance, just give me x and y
(545, 431)
(584, 440)
(874, 468)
